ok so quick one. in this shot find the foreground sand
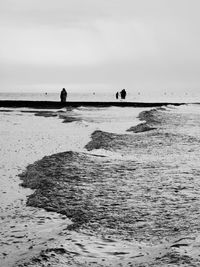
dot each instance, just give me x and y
(34, 237)
(25, 138)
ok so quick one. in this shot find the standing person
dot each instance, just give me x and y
(63, 95)
(123, 94)
(117, 95)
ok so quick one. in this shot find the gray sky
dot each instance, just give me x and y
(102, 44)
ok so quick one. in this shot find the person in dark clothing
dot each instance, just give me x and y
(117, 95)
(63, 95)
(123, 94)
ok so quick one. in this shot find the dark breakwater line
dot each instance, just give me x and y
(58, 105)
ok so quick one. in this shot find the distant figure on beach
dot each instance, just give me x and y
(63, 95)
(123, 94)
(117, 95)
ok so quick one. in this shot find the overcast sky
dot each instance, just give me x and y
(102, 44)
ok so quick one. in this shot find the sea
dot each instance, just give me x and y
(100, 186)
(148, 96)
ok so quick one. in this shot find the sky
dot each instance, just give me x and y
(99, 44)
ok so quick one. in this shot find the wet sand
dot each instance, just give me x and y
(26, 138)
(125, 209)
(103, 194)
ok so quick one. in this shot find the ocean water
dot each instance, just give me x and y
(133, 184)
(148, 96)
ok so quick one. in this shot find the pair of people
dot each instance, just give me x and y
(63, 95)
(122, 94)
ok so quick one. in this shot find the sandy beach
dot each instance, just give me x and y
(79, 204)
(26, 138)
(99, 133)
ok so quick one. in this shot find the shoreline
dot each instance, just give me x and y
(57, 104)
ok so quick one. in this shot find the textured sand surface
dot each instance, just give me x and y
(25, 138)
(137, 206)
(133, 198)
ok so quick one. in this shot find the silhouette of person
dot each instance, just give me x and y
(63, 95)
(123, 94)
(117, 95)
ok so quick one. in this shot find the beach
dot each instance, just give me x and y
(24, 139)
(99, 133)
(100, 186)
